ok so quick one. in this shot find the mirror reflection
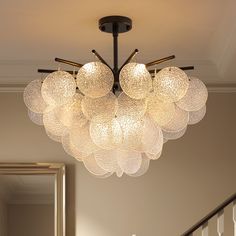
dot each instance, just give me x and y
(27, 205)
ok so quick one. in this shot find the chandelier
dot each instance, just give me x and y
(115, 120)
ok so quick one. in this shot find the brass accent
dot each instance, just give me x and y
(56, 169)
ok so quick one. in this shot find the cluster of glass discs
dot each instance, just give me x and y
(116, 133)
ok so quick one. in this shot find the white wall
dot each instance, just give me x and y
(194, 174)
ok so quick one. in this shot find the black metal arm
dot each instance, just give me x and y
(71, 63)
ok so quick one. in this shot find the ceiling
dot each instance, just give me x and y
(200, 33)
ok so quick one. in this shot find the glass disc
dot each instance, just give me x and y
(171, 84)
(178, 122)
(127, 106)
(71, 113)
(161, 112)
(92, 166)
(106, 135)
(135, 80)
(154, 156)
(80, 137)
(196, 96)
(143, 168)
(33, 98)
(129, 161)
(119, 172)
(70, 148)
(52, 124)
(174, 135)
(36, 118)
(95, 79)
(107, 160)
(197, 116)
(54, 137)
(58, 87)
(100, 109)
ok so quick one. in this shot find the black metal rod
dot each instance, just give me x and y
(160, 61)
(210, 215)
(71, 63)
(115, 47)
(182, 68)
(129, 58)
(48, 71)
(100, 58)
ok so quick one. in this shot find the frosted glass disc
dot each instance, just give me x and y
(171, 84)
(154, 156)
(106, 135)
(135, 80)
(119, 172)
(54, 137)
(33, 98)
(80, 137)
(143, 168)
(158, 145)
(161, 112)
(196, 116)
(105, 175)
(92, 166)
(127, 106)
(196, 96)
(95, 79)
(129, 161)
(107, 160)
(58, 87)
(36, 118)
(174, 135)
(71, 113)
(132, 133)
(100, 109)
(52, 124)
(178, 122)
(70, 148)
(151, 136)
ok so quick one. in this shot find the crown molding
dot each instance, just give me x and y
(212, 88)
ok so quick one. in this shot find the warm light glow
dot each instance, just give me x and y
(95, 79)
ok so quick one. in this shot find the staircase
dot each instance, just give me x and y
(219, 213)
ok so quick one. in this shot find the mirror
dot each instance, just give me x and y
(32, 199)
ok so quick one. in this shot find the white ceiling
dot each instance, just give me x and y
(200, 33)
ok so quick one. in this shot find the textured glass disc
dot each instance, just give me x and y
(107, 160)
(33, 98)
(171, 84)
(154, 156)
(178, 122)
(100, 109)
(135, 80)
(70, 148)
(92, 166)
(161, 112)
(80, 137)
(196, 116)
(174, 135)
(54, 137)
(95, 79)
(143, 168)
(71, 113)
(106, 135)
(127, 106)
(119, 172)
(36, 118)
(196, 96)
(129, 161)
(58, 87)
(52, 124)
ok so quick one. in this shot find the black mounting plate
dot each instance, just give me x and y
(123, 24)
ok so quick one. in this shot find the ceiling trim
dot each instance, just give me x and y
(212, 88)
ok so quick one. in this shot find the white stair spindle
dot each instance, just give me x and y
(205, 230)
(234, 216)
(220, 223)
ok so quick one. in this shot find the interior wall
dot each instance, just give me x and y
(194, 174)
(3, 217)
(30, 219)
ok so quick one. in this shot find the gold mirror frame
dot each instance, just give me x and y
(56, 169)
